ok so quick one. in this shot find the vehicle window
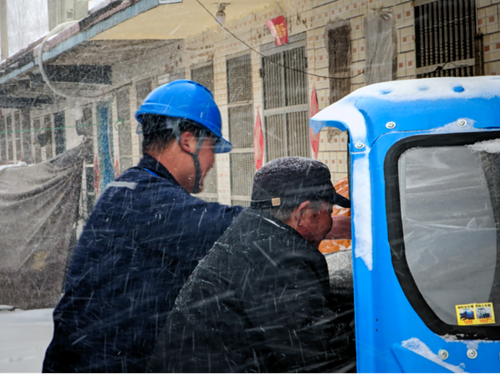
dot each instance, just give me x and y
(450, 212)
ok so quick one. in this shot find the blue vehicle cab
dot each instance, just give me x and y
(424, 177)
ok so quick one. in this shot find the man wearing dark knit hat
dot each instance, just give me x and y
(260, 300)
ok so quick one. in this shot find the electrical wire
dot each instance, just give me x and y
(267, 58)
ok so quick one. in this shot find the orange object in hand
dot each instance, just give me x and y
(339, 238)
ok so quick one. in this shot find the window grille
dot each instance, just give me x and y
(124, 129)
(242, 172)
(59, 132)
(444, 37)
(10, 137)
(3, 142)
(89, 193)
(143, 88)
(286, 109)
(339, 59)
(87, 121)
(26, 136)
(241, 127)
(37, 148)
(170, 77)
(17, 136)
(47, 125)
(205, 75)
(210, 192)
(239, 79)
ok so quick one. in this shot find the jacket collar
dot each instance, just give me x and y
(272, 221)
(151, 163)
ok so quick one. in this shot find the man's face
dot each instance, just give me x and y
(317, 222)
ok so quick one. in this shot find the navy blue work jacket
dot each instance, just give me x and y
(143, 239)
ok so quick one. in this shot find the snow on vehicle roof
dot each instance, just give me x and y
(415, 90)
(432, 89)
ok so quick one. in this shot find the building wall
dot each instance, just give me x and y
(488, 24)
(303, 16)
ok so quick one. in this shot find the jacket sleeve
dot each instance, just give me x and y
(305, 330)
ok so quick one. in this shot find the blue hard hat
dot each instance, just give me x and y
(189, 100)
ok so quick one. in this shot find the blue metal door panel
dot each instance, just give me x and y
(391, 335)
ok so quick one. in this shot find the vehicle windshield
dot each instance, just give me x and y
(450, 214)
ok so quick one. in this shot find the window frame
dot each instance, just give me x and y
(210, 195)
(267, 50)
(448, 66)
(234, 104)
(395, 232)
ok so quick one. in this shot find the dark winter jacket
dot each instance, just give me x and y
(258, 302)
(143, 239)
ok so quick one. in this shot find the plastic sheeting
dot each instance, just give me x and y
(449, 206)
(381, 57)
(38, 207)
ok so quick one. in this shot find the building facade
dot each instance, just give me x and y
(334, 47)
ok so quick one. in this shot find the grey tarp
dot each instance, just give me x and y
(38, 205)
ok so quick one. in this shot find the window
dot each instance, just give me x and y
(339, 59)
(10, 137)
(448, 215)
(124, 129)
(3, 141)
(170, 77)
(37, 148)
(286, 110)
(59, 132)
(241, 128)
(444, 37)
(26, 136)
(17, 136)
(87, 123)
(142, 89)
(47, 125)
(204, 74)
(89, 193)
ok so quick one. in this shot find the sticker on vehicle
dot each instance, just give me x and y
(475, 314)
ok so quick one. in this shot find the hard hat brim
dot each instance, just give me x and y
(222, 146)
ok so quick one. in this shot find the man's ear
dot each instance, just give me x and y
(301, 212)
(188, 142)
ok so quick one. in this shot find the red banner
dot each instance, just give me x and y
(258, 141)
(313, 110)
(278, 29)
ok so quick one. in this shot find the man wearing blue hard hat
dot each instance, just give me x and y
(143, 239)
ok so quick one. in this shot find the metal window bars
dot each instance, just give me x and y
(444, 36)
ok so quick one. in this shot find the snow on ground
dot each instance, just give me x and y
(25, 334)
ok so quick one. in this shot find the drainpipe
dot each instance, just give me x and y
(4, 30)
